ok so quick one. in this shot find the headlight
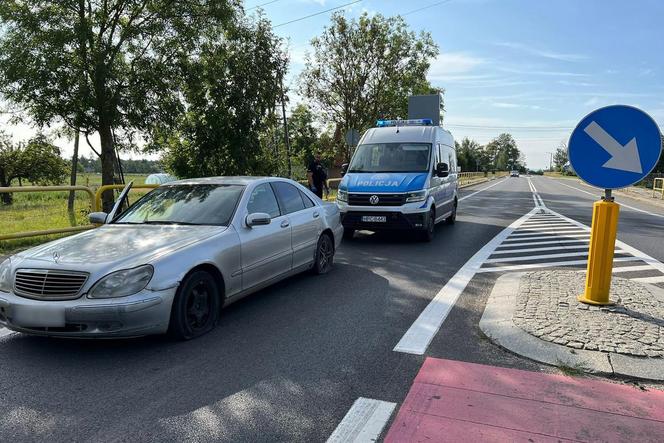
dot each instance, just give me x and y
(418, 196)
(122, 283)
(5, 275)
(342, 196)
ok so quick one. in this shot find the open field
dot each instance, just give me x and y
(34, 211)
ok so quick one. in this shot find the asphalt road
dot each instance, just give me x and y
(286, 364)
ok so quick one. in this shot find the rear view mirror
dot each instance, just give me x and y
(344, 169)
(258, 219)
(442, 170)
(97, 218)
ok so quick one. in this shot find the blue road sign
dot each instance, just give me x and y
(615, 146)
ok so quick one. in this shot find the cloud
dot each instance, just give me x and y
(505, 105)
(539, 52)
(453, 64)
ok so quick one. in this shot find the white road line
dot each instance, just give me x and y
(549, 237)
(542, 257)
(547, 265)
(549, 228)
(598, 194)
(550, 242)
(542, 225)
(551, 232)
(363, 422)
(483, 189)
(622, 245)
(548, 248)
(421, 332)
(633, 268)
(658, 279)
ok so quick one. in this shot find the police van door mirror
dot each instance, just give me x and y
(344, 169)
(442, 170)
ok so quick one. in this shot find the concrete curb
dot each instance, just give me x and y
(497, 324)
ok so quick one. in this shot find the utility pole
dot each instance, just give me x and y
(550, 161)
(286, 138)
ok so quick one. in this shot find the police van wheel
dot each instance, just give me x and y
(428, 233)
(348, 233)
(452, 218)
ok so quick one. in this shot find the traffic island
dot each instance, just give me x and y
(538, 315)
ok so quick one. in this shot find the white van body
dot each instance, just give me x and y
(400, 178)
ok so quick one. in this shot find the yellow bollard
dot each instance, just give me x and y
(600, 257)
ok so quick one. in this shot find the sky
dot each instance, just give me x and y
(531, 68)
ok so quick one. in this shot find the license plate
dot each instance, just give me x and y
(374, 218)
(38, 316)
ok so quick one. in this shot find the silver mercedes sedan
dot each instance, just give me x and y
(171, 261)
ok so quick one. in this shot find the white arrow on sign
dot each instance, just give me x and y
(623, 158)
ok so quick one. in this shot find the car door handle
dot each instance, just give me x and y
(285, 224)
(316, 214)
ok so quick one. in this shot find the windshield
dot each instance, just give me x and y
(391, 157)
(185, 205)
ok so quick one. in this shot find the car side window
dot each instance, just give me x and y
(289, 197)
(307, 201)
(262, 199)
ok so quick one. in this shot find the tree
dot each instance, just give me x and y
(231, 90)
(469, 155)
(365, 69)
(38, 161)
(503, 152)
(110, 67)
(560, 156)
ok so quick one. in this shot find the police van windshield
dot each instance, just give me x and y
(391, 157)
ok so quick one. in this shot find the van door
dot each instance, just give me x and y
(437, 183)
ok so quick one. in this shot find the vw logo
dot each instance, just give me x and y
(374, 199)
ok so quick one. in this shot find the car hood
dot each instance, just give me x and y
(384, 182)
(121, 245)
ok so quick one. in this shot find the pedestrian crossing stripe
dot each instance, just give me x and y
(563, 242)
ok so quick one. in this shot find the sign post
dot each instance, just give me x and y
(612, 147)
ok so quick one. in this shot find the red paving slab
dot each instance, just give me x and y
(452, 401)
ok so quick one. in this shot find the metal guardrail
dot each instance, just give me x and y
(17, 235)
(104, 188)
(658, 186)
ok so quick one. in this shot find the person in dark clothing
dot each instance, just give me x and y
(316, 176)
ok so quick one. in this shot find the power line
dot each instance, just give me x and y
(425, 7)
(315, 14)
(263, 4)
(525, 128)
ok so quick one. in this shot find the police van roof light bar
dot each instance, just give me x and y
(411, 122)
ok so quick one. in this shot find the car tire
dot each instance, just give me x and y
(429, 232)
(196, 306)
(324, 256)
(349, 233)
(452, 218)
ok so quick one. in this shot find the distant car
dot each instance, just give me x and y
(171, 261)
(514, 173)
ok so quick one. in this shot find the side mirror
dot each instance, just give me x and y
(97, 218)
(344, 169)
(258, 219)
(442, 170)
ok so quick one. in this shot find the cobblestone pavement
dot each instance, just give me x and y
(547, 307)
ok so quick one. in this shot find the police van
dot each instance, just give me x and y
(403, 176)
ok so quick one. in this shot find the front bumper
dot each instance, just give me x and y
(144, 313)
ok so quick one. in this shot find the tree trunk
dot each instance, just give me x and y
(107, 163)
(5, 197)
(74, 167)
